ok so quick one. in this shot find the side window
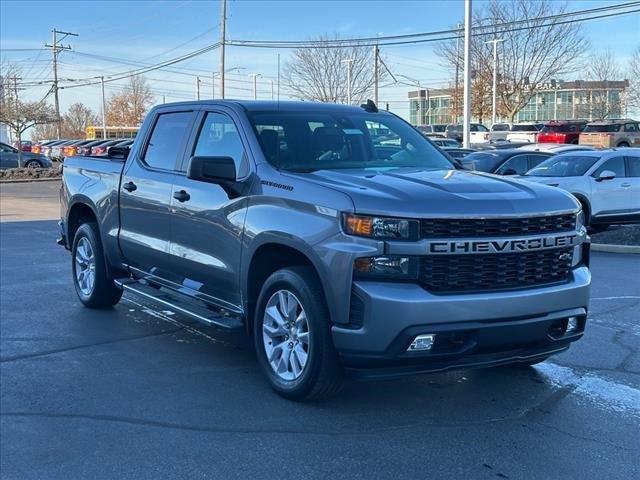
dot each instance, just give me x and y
(613, 164)
(535, 160)
(219, 138)
(630, 127)
(517, 163)
(167, 139)
(482, 128)
(633, 166)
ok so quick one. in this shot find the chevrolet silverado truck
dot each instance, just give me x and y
(340, 250)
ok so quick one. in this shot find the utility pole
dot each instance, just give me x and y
(272, 95)
(16, 103)
(223, 41)
(55, 49)
(348, 61)
(197, 88)
(104, 113)
(255, 84)
(466, 118)
(495, 78)
(376, 53)
(454, 116)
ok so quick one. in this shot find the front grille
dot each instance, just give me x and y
(490, 272)
(489, 227)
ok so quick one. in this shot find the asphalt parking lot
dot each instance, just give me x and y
(139, 392)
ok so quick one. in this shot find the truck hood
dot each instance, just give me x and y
(411, 192)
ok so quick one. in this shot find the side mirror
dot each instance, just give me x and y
(120, 153)
(509, 171)
(212, 169)
(606, 175)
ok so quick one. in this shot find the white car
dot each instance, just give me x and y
(556, 148)
(524, 132)
(499, 131)
(445, 142)
(606, 182)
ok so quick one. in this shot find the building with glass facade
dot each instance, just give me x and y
(559, 100)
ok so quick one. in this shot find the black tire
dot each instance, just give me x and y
(33, 164)
(622, 145)
(322, 375)
(104, 293)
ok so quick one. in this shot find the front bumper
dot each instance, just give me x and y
(480, 329)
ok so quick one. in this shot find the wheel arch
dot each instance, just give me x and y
(586, 205)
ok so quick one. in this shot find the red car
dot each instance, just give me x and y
(25, 145)
(561, 132)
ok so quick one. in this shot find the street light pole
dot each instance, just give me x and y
(495, 77)
(198, 88)
(466, 119)
(104, 114)
(348, 61)
(255, 84)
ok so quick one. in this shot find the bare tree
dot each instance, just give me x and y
(530, 55)
(128, 107)
(633, 73)
(76, 120)
(602, 68)
(321, 74)
(19, 116)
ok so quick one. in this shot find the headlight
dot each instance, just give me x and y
(580, 220)
(388, 267)
(380, 227)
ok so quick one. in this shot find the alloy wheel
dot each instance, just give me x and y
(85, 266)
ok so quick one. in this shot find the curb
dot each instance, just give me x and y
(27, 180)
(603, 247)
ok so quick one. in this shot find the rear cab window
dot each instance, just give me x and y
(166, 143)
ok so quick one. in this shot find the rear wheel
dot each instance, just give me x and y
(92, 281)
(33, 164)
(293, 338)
(623, 145)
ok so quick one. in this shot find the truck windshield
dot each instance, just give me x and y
(563, 166)
(306, 141)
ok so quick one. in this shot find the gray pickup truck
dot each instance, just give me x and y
(338, 237)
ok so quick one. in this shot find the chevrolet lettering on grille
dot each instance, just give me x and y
(502, 245)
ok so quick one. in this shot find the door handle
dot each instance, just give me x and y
(625, 185)
(181, 196)
(130, 186)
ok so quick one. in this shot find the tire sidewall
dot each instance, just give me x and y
(289, 279)
(90, 232)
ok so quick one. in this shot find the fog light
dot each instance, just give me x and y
(422, 342)
(572, 324)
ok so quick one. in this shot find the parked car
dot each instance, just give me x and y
(106, 148)
(85, 148)
(434, 130)
(56, 149)
(524, 132)
(11, 157)
(280, 220)
(445, 142)
(38, 146)
(561, 132)
(504, 161)
(611, 133)
(606, 182)
(556, 148)
(499, 131)
(71, 149)
(24, 145)
(478, 132)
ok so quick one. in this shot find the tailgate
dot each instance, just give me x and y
(522, 137)
(595, 139)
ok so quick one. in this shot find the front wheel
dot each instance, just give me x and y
(92, 281)
(33, 164)
(293, 338)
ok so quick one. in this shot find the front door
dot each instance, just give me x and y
(8, 156)
(633, 185)
(145, 194)
(207, 222)
(609, 197)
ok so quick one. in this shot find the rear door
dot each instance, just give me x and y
(145, 193)
(633, 182)
(8, 156)
(632, 134)
(610, 197)
(207, 219)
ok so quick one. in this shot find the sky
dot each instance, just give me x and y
(153, 31)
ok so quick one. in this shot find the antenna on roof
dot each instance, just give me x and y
(370, 106)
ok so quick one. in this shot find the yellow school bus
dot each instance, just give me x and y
(95, 132)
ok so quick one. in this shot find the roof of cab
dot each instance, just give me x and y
(273, 105)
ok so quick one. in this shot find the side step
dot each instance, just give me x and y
(174, 301)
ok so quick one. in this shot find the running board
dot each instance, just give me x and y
(192, 308)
